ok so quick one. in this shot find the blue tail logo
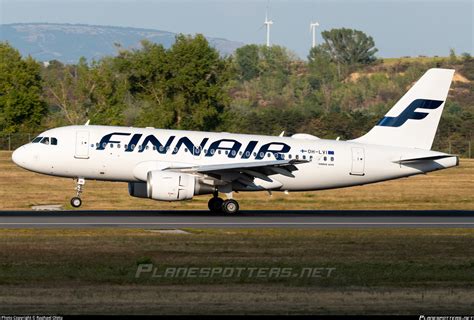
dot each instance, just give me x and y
(410, 113)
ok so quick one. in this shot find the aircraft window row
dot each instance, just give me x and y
(46, 140)
(212, 151)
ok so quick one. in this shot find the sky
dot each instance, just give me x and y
(399, 28)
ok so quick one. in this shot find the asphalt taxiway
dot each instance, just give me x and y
(245, 219)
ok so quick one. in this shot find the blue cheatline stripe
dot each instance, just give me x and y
(410, 114)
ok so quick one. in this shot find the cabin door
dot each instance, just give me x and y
(358, 162)
(82, 145)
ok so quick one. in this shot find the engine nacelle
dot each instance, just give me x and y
(169, 186)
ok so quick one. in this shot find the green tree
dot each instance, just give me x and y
(21, 104)
(86, 92)
(349, 46)
(247, 60)
(197, 75)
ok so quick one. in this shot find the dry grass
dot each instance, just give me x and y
(405, 271)
(447, 189)
(231, 299)
(425, 60)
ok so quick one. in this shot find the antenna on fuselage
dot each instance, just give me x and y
(87, 123)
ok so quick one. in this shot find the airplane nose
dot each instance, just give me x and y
(19, 156)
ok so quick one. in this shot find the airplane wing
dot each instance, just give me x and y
(244, 173)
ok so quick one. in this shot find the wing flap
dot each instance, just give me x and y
(245, 172)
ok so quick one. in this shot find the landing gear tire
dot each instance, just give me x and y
(76, 202)
(215, 204)
(230, 206)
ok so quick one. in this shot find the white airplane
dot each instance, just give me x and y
(173, 165)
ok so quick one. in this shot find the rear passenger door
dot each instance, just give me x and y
(358, 162)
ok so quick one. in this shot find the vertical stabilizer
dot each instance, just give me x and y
(413, 120)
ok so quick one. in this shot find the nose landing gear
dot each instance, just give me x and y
(76, 201)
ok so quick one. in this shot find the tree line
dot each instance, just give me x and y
(341, 90)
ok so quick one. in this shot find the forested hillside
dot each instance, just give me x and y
(340, 91)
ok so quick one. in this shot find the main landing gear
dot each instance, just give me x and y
(76, 201)
(219, 205)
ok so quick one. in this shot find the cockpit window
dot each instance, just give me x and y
(46, 140)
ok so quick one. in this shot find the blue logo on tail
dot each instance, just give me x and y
(410, 113)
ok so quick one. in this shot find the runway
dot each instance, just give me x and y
(245, 219)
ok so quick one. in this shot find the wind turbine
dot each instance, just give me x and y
(267, 24)
(312, 28)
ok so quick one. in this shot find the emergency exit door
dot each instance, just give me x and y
(82, 145)
(358, 162)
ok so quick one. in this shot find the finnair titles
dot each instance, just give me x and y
(174, 165)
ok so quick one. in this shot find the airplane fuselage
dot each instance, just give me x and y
(127, 154)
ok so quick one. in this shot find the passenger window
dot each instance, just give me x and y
(45, 140)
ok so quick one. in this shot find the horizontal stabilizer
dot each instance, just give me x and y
(429, 158)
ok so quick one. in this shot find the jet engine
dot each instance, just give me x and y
(168, 186)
